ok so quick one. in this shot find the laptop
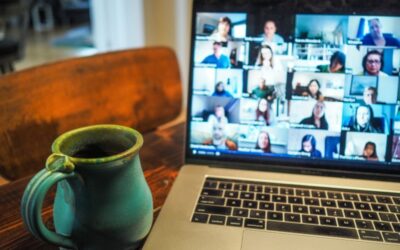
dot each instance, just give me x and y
(286, 148)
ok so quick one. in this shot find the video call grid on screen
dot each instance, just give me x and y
(323, 72)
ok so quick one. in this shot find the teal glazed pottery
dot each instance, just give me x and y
(102, 199)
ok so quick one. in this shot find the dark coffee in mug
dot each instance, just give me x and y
(99, 150)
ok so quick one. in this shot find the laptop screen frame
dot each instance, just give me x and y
(344, 168)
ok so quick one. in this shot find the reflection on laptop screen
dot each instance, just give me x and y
(326, 88)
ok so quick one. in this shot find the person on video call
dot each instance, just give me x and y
(369, 152)
(376, 37)
(370, 95)
(263, 91)
(309, 145)
(363, 120)
(317, 118)
(372, 64)
(219, 139)
(337, 64)
(235, 63)
(263, 142)
(313, 90)
(271, 38)
(270, 68)
(219, 90)
(262, 111)
(217, 58)
(221, 33)
(218, 116)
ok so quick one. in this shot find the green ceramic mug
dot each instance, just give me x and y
(102, 199)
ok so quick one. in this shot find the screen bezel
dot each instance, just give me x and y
(343, 168)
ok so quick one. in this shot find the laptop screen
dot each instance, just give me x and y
(292, 83)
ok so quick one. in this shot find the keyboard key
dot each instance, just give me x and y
(234, 221)
(367, 198)
(257, 214)
(254, 188)
(327, 221)
(364, 224)
(274, 216)
(253, 223)
(394, 208)
(200, 218)
(278, 198)
(317, 210)
(352, 214)
(263, 197)
(302, 192)
(396, 227)
(379, 207)
(287, 191)
(370, 235)
(266, 206)
(217, 219)
(382, 226)
(250, 204)
(231, 194)
(240, 212)
(369, 215)
(271, 190)
(283, 207)
(300, 209)
(240, 187)
(233, 202)
(391, 237)
(345, 222)
(295, 200)
(345, 204)
(212, 192)
(312, 202)
(384, 199)
(334, 195)
(396, 200)
(362, 206)
(211, 200)
(224, 185)
(213, 209)
(312, 229)
(351, 197)
(210, 184)
(247, 196)
(318, 194)
(334, 212)
(328, 203)
(387, 217)
(310, 219)
(292, 217)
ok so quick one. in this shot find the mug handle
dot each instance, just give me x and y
(58, 167)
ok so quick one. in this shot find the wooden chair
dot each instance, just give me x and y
(140, 88)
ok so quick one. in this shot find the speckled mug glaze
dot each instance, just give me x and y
(100, 203)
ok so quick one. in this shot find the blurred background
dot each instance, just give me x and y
(35, 32)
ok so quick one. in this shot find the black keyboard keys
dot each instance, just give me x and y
(292, 217)
(346, 222)
(254, 223)
(370, 235)
(310, 219)
(217, 219)
(364, 224)
(257, 214)
(234, 221)
(391, 237)
(382, 226)
(369, 215)
(213, 209)
(331, 221)
(200, 218)
(275, 216)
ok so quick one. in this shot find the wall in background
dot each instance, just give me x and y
(168, 23)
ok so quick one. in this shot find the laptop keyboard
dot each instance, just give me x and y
(354, 214)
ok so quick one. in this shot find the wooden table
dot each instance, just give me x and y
(161, 156)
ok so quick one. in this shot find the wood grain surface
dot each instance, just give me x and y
(161, 157)
(140, 88)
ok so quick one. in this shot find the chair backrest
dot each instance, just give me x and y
(140, 88)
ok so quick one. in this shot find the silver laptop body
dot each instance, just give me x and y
(287, 146)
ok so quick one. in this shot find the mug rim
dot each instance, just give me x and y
(56, 146)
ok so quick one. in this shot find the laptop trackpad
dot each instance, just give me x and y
(270, 240)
